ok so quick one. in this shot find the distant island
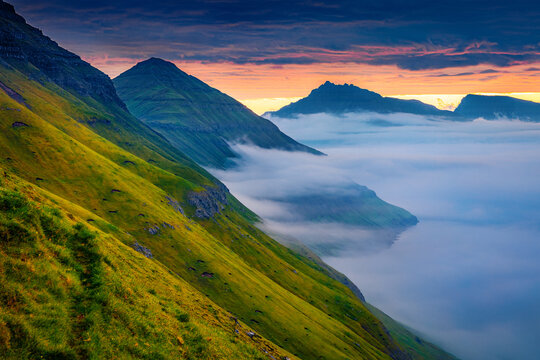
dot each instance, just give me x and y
(495, 107)
(339, 99)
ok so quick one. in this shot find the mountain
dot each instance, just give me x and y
(339, 99)
(494, 107)
(197, 119)
(350, 204)
(114, 244)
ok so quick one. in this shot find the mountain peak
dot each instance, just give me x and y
(193, 116)
(7, 11)
(327, 84)
(345, 89)
(338, 99)
(23, 44)
(157, 63)
(155, 67)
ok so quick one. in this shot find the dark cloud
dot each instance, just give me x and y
(427, 34)
(489, 71)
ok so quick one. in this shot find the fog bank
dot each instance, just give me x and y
(467, 275)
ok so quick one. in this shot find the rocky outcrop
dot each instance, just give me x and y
(13, 94)
(209, 202)
(18, 124)
(153, 230)
(143, 250)
(174, 204)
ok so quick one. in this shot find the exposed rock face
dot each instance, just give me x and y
(209, 202)
(13, 94)
(168, 225)
(17, 124)
(143, 250)
(174, 204)
(153, 230)
(21, 43)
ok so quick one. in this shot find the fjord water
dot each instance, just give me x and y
(467, 276)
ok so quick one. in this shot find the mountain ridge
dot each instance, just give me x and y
(336, 99)
(339, 99)
(199, 120)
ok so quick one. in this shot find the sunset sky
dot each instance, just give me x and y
(267, 54)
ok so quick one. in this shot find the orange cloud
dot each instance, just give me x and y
(268, 86)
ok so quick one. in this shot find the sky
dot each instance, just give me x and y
(269, 53)
(466, 276)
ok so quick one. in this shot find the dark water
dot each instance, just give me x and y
(468, 275)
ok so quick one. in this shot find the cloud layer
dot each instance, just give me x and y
(466, 275)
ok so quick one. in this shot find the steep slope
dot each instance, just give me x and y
(196, 118)
(339, 99)
(80, 151)
(69, 291)
(495, 107)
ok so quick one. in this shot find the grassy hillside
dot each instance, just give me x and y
(68, 290)
(196, 118)
(72, 154)
(284, 298)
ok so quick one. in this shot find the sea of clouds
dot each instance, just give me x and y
(467, 275)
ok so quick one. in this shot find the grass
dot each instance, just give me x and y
(68, 292)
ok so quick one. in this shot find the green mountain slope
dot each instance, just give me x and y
(71, 153)
(70, 291)
(224, 257)
(196, 118)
